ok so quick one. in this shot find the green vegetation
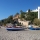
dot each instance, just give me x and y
(7, 20)
(36, 22)
(30, 16)
(23, 15)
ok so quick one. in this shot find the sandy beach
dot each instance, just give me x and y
(19, 35)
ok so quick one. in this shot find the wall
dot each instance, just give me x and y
(25, 23)
(38, 12)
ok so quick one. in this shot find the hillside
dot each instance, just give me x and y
(28, 16)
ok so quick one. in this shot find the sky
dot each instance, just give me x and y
(11, 7)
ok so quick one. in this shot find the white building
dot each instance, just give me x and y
(33, 10)
(36, 10)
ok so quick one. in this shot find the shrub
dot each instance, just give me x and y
(36, 21)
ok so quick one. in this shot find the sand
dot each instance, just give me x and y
(19, 35)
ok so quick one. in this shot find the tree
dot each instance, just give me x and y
(36, 21)
(10, 17)
(16, 14)
(21, 11)
(22, 16)
(29, 11)
(7, 20)
(32, 15)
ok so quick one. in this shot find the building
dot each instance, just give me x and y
(36, 10)
(24, 23)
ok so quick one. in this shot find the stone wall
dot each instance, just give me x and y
(24, 23)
